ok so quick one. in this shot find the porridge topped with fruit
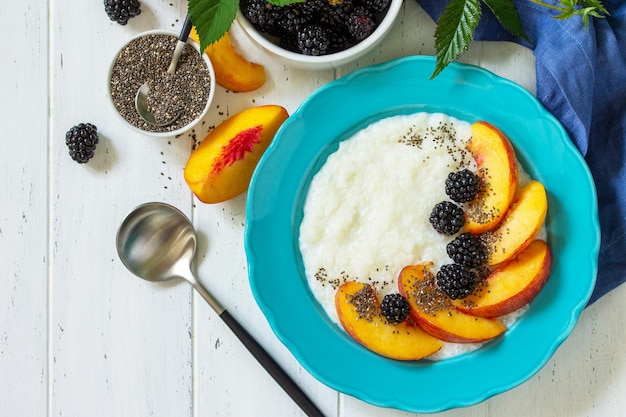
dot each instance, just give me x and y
(367, 209)
(410, 238)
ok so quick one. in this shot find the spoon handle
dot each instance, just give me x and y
(270, 365)
(186, 29)
(180, 44)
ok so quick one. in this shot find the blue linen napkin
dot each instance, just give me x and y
(581, 79)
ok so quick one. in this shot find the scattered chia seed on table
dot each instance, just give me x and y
(147, 59)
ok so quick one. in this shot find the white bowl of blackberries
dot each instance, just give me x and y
(318, 34)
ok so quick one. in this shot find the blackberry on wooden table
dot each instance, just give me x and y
(81, 141)
(121, 11)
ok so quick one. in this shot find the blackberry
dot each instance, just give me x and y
(338, 41)
(289, 43)
(467, 250)
(456, 281)
(447, 218)
(361, 23)
(313, 7)
(121, 10)
(313, 40)
(376, 6)
(395, 308)
(81, 141)
(337, 13)
(262, 15)
(292, 19)
(462, 186)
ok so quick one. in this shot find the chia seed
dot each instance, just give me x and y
(365, 302)
(476, 211)
(442, 136)
(427, 294)
(146, 59)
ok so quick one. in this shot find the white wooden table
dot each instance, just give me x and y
(80, 336)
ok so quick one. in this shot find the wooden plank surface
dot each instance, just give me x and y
(79, 335)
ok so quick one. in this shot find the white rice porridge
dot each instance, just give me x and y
(367, 209)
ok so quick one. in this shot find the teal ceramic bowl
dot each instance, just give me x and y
(274, 213)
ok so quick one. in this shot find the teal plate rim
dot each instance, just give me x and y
(274, 212)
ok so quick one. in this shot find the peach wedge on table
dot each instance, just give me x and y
(232, 70)
(520, 226)
(513, 285)
(403, 341)
(221, 167)
(434, 312)
(498, 172)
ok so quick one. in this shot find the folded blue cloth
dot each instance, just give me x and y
(581, 79)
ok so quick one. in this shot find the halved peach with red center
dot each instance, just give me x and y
(221, 167)
(359, 313)
(513, 285)
(434, 312)
(498, 172)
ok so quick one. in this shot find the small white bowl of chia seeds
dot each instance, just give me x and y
(146, 58)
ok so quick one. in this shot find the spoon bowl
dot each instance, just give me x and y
(156, 242)
(141, 104)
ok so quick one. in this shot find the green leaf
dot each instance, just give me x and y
(212, 18)
(506, 13)
(596, 6)
(455, 29)
(570, 8)
(284, 2)
(583, 8)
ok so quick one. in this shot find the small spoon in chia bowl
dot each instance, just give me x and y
(141, 99)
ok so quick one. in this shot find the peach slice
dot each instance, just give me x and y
(433, 311)
(511, 286)
(221, 167)
(520, 226)
(232, 70)
(359, 314)
(497, 169)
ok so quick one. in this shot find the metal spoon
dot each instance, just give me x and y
(141, 98)
(157, 242)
